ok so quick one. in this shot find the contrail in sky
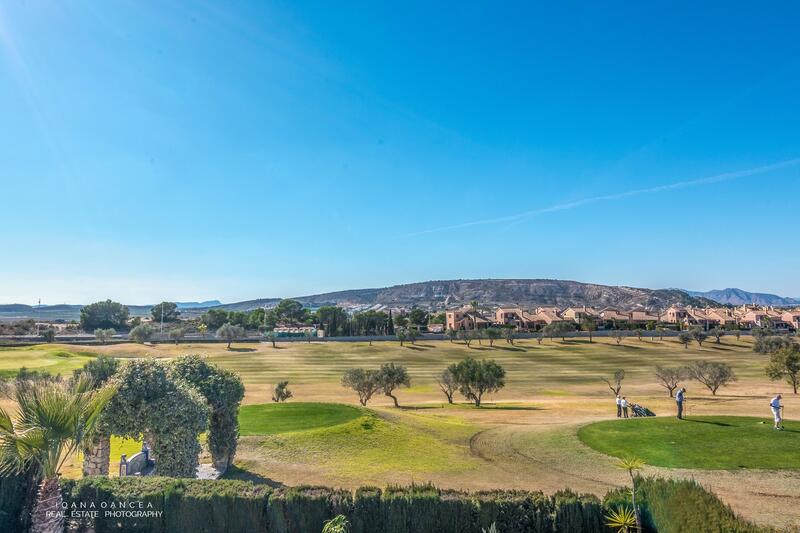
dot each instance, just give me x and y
(516, 217)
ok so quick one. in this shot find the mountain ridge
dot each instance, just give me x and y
(734, 296)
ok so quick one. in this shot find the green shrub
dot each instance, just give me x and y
(17, 494)
(674, 506)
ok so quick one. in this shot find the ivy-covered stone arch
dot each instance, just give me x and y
(224, 391)
(167, 412)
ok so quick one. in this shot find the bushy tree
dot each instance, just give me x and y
(698, 335)
(588, 324)
(99, 370)
(106, 314)
(508, 334)
(228, 332)
(166, 311)
(452, 334)
(475, 378)
(785, 364)
(618, 335)
(412, 335)
(224, 391)
(49, 335)
(467, 336)
(685, 338)
(142, 333)
(104, 334)
(401, 335)
(391, 377)
(492, 334)
(712, 374)
(669, 378)
(177, 334)
(418, 317)
(718, 333)
(281, 392)
(768, 344)
(364, 382)
(447, 383)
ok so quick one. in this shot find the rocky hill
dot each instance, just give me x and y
(526, 292)
(740, 297)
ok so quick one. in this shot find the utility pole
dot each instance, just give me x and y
(162, 318)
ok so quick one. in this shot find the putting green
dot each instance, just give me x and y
(707, 442)
(276, 418)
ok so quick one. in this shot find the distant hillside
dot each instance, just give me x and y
(73, 312)
(525, 292)
(740, 297)
(428, 294)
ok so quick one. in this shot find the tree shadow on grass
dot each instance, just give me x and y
(511, 348)
(721, 424)
(242, 350)
(234, 472)
(502, 407)
(415, 347)
(420, 407)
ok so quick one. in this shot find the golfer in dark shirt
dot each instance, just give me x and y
(679, 398)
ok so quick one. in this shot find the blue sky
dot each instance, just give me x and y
(235, 150)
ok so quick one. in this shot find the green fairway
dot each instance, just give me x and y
(274, 418)
(708, 442)
(55, 359)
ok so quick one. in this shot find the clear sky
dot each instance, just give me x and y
(236, 150)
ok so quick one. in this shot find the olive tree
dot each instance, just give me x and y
(475, 378)
(685, 338)
(228, 332)
(104, 334)
(712, 374)
(718, 333)
(492, 334)
(508, 334)
(615, 384)
(447, 382)
(698, 335)
(364, 382)
(391, 377)
(142, 333)
(177, 334)
(669, 378)
(785, 364)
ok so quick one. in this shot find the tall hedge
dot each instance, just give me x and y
(17, 494)
(676, 506)
(240, 506)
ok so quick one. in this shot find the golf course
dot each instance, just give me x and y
(552, 426)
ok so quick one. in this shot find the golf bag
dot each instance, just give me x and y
(639, 410)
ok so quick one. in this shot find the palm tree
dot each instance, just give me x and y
(52, 421)
(623, 519)
(633, 465)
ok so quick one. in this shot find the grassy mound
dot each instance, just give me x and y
(274, 418)
(707, 442)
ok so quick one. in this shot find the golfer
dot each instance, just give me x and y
(619, 407)
(624, 405)
(679, 399)
(776, 407)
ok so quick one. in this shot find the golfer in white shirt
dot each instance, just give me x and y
(776, 407)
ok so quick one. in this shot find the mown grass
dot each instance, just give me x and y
(552, 368)
(272, 419)
(707, 442)
(370, 444)
(55, 359)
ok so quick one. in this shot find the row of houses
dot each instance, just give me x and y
(744, 317)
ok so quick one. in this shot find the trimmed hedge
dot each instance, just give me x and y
(676, 506)
(17, 494)
(241, 506)
(668, 506)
